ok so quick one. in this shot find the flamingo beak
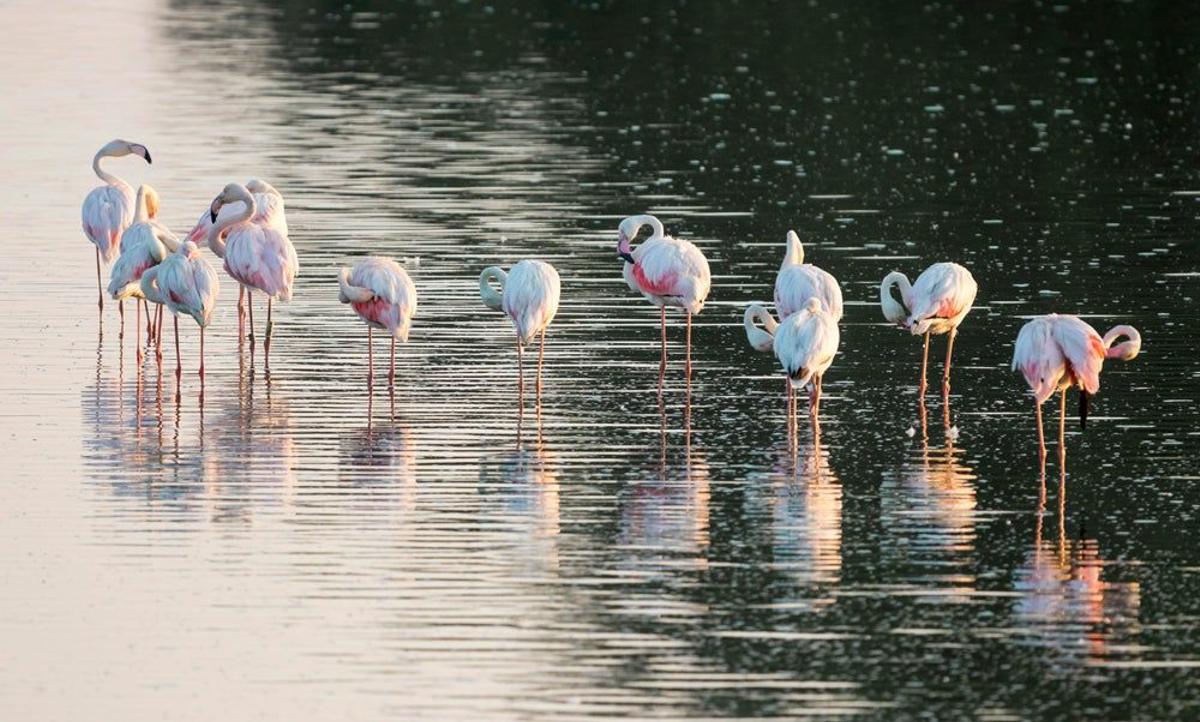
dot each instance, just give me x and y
(214, 209)
(622, 247)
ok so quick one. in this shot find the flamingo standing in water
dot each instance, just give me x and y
(796, 283)
(668, 272)
(381, 293)
(529, 296)
(108, 209)
(805, 344)
(1057, 352)
(144, 243)
(937, 303)
(256, 256)
(186, 283)
(268, 211)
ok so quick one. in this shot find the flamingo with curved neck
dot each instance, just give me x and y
(108, 209)
(936, 304)
(529, 296)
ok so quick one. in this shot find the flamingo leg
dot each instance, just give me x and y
(924, 366)
(202, 356)
(121, 311)
(1037, 407)
(149, 323)
(520, 374)
(541, 355)
(137, 307)
(1062, 433)
(392, 367)
(267, 340)
(241, 311)
(662, 363)
(816, 397)
(250, 312)
(99, 287)
(158, 329)
(949, 351)
(688, 359)
(178, 361)
(370, 357)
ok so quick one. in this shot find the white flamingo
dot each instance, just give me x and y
(1056, 352)
(668, 272)
(186, 283)
(381, 293)
(805, 344)
(529, 296)
(259, 257)
(145, 243)
(268, 211)
(937, 303)
(108, 209)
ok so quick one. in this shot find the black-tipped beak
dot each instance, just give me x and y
(212, 215)
(148, 157)
(626, 257)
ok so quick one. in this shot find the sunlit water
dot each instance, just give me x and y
(290, 546)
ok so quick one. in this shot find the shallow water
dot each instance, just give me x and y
(292, 546)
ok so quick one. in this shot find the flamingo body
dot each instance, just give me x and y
(381, 293)
(262, 258)
(1056, 352)
(187, 284)
(268, 211)
(529, 296)
(937, 303)
(142, 246)
(670, 272)
(798, 281)
(107, 212)
(806, 342)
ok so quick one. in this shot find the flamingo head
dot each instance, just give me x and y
(119, 148)
(231, 193)
(625, 233)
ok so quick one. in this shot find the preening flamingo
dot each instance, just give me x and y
(529, 296)
(108, 209)
(1057, 352)
(268, 211)
(381, 293)
(256, 256)
(186, 283)
(805, 344)
(668, 272)
(937, 303)
(145, 243)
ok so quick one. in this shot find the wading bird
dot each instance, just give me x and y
(268, 211)
(381, 293)
(186, 283)
(145, 243)
(1056, 352)
(529, 296)
(668, 272)
(937, 303)
(108, 209)
(805, 344)
(259, 257)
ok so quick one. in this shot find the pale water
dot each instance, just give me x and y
(290, 547)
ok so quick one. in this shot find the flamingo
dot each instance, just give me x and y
(144, 243)
(269, 211)
(668, 272)
(1056, 352)
(795, 284)
(936, 304)
(108, 209)
(186, 283)
(529, 296)
(381, 293)
(256, 256)
(805, 344)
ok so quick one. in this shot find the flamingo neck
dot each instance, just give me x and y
(104, 175)
(492, 298)
(1126, 350)
(141, 208)
(894, 311)
(216, 238)
(761, 338)
(165, 237)
(795, 251)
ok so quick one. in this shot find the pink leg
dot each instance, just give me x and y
(520, 374)
(370, 356)
(816, 397)
(149, 323)
(267, 340)
(202, 356)
(949, 351)
(178, 361)
(99, 286)
(1062, 433)
(137, 308)
(250, 312)
(241, 312)
(121, 312)
(392, 367)
(924, 366)
(662, 364)
(541, 355)
(1041, 436)
(688, 359)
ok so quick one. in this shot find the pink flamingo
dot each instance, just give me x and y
(144, 243)
(937, 303)
(381, 293)
(186, 283)
(528, 295)
(1057, 352)
(108, 209)
(668, 272)
(805, 344)
(268, 211)
(256, 256)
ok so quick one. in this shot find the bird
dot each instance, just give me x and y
(528, 295)
(144, 243)
(937, 303)
(668, 272)
(805, 344)
(108, 209)
(1056, 352)
(187, 283)
(798, 281)
(256, 256)
(381, 293)
(268, 211)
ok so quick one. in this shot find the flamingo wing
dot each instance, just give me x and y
(944, 290)
(107, 211)
(1039, 358)
(794, 285)
(531, 296)
(1083, 349)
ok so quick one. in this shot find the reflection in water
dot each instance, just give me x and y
(525, 480)
(1065, 604)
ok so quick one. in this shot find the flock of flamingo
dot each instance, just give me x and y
(245, 226)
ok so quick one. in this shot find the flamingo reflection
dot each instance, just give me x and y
(525, 480)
